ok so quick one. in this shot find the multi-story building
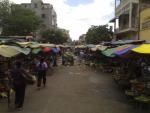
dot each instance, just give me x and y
(126, 19)
(144, 19)
(45, 11)
(0, 27)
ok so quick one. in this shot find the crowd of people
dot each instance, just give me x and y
(23, 69)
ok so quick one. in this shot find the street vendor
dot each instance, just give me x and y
(68, 57)
(19, 76)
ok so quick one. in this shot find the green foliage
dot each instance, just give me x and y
(17, 20)
(4, 8)
(97, 34)
(55, 36)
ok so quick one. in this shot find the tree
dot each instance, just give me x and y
(97, 34)
(4, 8)
(18, 20)
(55, 36)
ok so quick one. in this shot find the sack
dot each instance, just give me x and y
(30, 80)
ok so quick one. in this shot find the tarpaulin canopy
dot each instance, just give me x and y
(145, 49)
(10, 51)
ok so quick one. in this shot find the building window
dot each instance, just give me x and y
(43, 16)
(35, 5)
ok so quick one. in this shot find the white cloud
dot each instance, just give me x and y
(78, 19)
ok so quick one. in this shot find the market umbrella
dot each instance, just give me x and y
(109, 52)
(94, 49)
(90, 46)
(47, 45)
(112, 52)
(145, 49)
(55, 50)
(29, 44)
(99, 47)
(36, 50)
(10, 51)
(47, 49)
(24, 44)
(80, 46)
(123, 50)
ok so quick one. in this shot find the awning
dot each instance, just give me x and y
(113, 20)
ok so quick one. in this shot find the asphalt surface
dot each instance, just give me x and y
(75, 89)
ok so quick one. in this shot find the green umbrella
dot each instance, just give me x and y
(109, 52)
(36, 50)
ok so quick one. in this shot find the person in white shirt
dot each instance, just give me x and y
(42, 69)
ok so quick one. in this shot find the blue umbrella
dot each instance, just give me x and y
(55, 50)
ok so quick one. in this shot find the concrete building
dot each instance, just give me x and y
(45, 11)
(126, 21)
(144, 19)
(0, 27)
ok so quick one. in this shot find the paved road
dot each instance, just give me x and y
(76, 89)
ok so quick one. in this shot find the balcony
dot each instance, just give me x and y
(125, 30)
(124, 7)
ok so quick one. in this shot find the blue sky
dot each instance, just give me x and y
(78, 2)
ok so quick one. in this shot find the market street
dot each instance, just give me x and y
(76, 89)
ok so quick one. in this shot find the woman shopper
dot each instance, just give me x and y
(42, 69)
(19, 76)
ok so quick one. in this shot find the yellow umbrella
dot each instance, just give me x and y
(10, 51)
(101, 47)
(48, 45)
(80, 46)
(25, 44)
(7, 51)
(145, 49)
(94, 49)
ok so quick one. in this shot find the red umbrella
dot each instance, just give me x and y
(47, 49)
